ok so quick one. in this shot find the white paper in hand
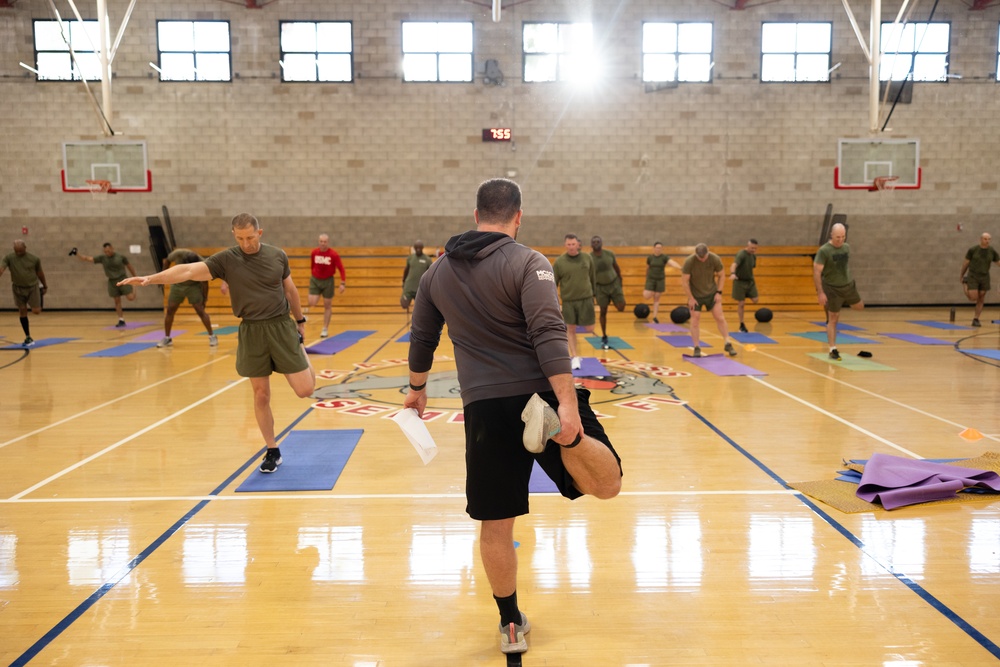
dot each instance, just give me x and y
(416, 432)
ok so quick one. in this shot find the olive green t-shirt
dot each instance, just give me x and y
(418, 265)
(836, 272)
(255, 281)
(745, 264)
(656, 266)
(575, 276)
(980, 259)
(114, 266)
(702, 274)
(184, 256)
(23, 270)
(604, 267)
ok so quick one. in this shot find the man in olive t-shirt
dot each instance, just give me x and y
(417, 264)
(976, 273)
(577, 282)
(744, 285)
(194, 291)
(114, 265)
(656, 277)
(834, 286)
(608, 277)
(702, 278)
(27, 281)
(263, 295)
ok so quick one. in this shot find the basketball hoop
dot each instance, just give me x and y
(885, 184)
(99, 189)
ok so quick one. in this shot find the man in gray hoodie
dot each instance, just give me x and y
(499, 300)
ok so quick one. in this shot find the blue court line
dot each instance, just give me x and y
(116, 579)
(919, 590)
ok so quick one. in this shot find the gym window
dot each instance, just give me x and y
(437, 51)
(194, 51)
(52, 59)
(558, 52)
(312, 51)
(795, 52)
(922, 47)
(677, 52)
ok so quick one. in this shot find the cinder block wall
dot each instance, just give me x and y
(379, 161)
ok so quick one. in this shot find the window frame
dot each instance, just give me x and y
(677, 53)
(437, 54)
(883, 56)
(194, 53)
(74, 74)
(796, 53)
(282, 53)
(560, 55)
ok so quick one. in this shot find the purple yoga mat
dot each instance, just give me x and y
(722, 365)
(539, 482)
(668, 327)
(130, 325)
(155, 336)
(915, 338)
(677, 340)
(898, 482)
(590, 367)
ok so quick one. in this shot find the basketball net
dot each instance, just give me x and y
(99, 189)
(885, 185)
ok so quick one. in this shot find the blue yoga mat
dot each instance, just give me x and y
(841, 325)
(666, 327)
(614, 343)
(539, 482)
(121, 350)
(754, 337)
(405, 338)
(989, 354)
(128, 326)
(938, 325)
(842, 338)
(678, 340)
(914, 338)
(590, 367)
(311, 461)
(338, 343)
(45, 342)
(155, 336)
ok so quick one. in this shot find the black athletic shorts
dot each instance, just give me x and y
(498, 466)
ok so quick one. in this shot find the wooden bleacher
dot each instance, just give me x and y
(375, 276)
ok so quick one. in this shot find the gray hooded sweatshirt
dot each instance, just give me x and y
(499, 300)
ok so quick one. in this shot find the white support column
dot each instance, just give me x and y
(874, 37)
(105, 47)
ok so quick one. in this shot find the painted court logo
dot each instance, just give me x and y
(378, 389)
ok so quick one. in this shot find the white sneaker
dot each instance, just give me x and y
(512, 637)
(324, 333)
(540, 423)
(575, 363)
(213, 340)
(167, 341)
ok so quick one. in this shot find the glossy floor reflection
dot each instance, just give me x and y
(123, 541)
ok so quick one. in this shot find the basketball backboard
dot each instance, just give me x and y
(122, 163)
(861, 161)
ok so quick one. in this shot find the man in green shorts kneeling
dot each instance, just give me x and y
(263, 296)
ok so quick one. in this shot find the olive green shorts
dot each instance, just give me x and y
(114, 290)
(27, 296)
(269, 346)
(744, 289)
(579, 311)
(977, 282)
(324, 287)
(611, 292)
(655, 285)
(193, 293)
(707, 301)
(839, 296)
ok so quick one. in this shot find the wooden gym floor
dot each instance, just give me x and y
(123, 541)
